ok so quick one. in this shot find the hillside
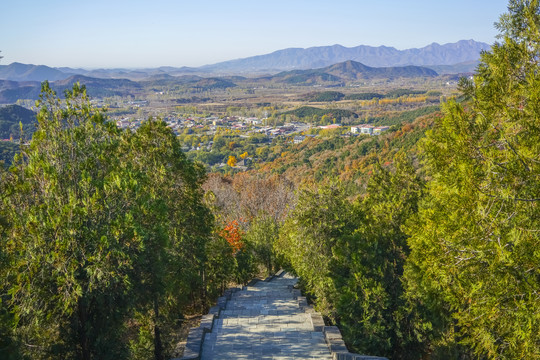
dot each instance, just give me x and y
(348, 158)
(11, 116)
(11, 91)
(348, 71)
(212, 83)
(99, 87)
(309, 111)
(352, 70)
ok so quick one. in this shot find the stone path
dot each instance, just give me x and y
(265, 321)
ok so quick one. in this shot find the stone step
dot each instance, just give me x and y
(266, 320)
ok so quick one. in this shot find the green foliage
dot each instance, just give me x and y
(246, 264)
(373, 312)
(104, 227)
(220, 266)
(404, 116)
(172, 220)
(262, 235)
(306, 112)
(9, 346)
(8, 150)
(363, 96)
(351, 255)
(67, 246)
(474, 246)
(319, 219)
(325, 96)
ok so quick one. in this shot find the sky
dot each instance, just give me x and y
(152, 33)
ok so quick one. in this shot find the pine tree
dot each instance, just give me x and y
(475, 255)
(374, 314)
(69, 241)
(103, 235)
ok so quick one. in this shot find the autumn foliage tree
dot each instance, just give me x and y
(233, 234)
(232, 161)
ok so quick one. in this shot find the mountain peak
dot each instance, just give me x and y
(381, 56)
(29, 72)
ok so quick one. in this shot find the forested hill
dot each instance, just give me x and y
(10, 118)
(350, 71)
(99, 87)
(348, 158)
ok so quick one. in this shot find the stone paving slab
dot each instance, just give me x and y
(265, 321)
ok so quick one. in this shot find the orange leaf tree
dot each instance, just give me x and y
(233, 234)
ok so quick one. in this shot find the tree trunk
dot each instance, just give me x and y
(203, 290)
(84, 342)
(158, 347)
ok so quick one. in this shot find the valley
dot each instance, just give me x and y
(217, 118)
(396, 189)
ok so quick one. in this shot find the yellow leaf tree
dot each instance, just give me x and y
(232, 161)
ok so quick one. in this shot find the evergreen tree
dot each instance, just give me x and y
(262, 234)
(309, 236)
(69, 241)
(103, 234)
(172, 223)
(374, 315)
(475, 255)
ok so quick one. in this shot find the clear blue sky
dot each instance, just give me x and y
(151, 33)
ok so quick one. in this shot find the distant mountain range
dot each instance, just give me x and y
(316, 57)
(334, 75)
(461, 56)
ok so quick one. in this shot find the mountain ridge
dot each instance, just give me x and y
(382, 56)
(348, 71)
(464, 53)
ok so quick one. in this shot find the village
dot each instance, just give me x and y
(208, 127)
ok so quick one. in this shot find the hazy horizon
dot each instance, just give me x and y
(159, 66)
(138, 34)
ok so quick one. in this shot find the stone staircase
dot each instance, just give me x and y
(267, 320)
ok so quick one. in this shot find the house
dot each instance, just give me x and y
(265, 129)
(252, 121)
(333, 126)
(366, 129)
(355, 129)
(238, 126)
(298, 139)
(380, 129)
